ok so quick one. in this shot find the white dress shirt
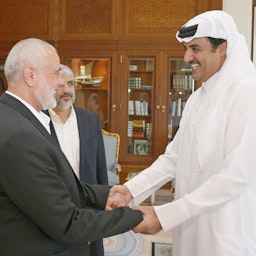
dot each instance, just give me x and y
(68, 137)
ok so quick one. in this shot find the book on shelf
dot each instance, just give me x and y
(174, 107)
(182, 82)
(134, 82)
(129, 129)
(177, 107)
(130, 107)
(137, 107)
(133, 67)
(138, 128)
(146, 87)
(137, 104)
(144, 108)
(148, 130)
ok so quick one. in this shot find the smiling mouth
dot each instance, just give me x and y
(194, 66)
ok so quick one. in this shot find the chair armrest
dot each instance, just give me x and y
(117, 166)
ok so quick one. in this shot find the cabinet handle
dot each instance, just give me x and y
(113, 107)
(163, 108)
(157, 107)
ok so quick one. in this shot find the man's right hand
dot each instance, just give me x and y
(119, 195)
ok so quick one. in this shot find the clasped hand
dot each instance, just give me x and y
(120, 195)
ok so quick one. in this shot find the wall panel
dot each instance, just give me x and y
(151, 20)
(88, 19)
(26, 18)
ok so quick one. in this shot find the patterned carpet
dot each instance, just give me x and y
(131, 244)
(128, 243)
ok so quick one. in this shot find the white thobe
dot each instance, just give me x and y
(213, 158)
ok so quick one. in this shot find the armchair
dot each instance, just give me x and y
(111, 144)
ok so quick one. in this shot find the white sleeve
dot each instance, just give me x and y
(235, 179)
(152, 178)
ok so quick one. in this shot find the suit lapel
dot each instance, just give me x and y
(53, 132)
(18, 106)
(81, 125)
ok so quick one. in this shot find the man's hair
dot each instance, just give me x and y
(215, 42)
(29, 51)
(65, 70)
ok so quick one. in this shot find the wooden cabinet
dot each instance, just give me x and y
(132, 46)
(140, 89)
(140, 81)
(155, 87)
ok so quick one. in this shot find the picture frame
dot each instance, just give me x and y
(140, 147)
(149, 65)
(131, 175)
(161, 249)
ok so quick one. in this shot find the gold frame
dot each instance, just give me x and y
(106, 133)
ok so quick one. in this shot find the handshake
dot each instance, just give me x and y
(119, 195)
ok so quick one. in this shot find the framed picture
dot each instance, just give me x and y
(161, 249)
(140, 147)
(149, 65)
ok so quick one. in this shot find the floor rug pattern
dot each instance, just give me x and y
(128, 243)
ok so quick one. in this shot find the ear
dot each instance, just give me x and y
(29, 75)
(223, 48)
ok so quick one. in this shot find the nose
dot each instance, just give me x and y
(188, 57)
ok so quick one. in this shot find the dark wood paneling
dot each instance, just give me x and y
(98, 24)
(88, 19)
(158, 21)
(26, 18)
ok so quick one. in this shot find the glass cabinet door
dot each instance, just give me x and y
(92, 77)
(140, 100)
(180, 88)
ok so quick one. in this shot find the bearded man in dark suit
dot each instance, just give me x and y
(44, 209)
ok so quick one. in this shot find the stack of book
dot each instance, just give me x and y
(182, 81)
(177, 107)
(136, 107)
(139, 129)
(135, 82)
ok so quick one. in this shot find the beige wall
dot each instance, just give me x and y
(241, 10)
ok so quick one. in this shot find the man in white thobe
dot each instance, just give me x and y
(213, 155)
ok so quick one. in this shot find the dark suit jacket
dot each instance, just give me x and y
(93, 169)
(44, 209)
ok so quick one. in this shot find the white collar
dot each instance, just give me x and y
(41, 116)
